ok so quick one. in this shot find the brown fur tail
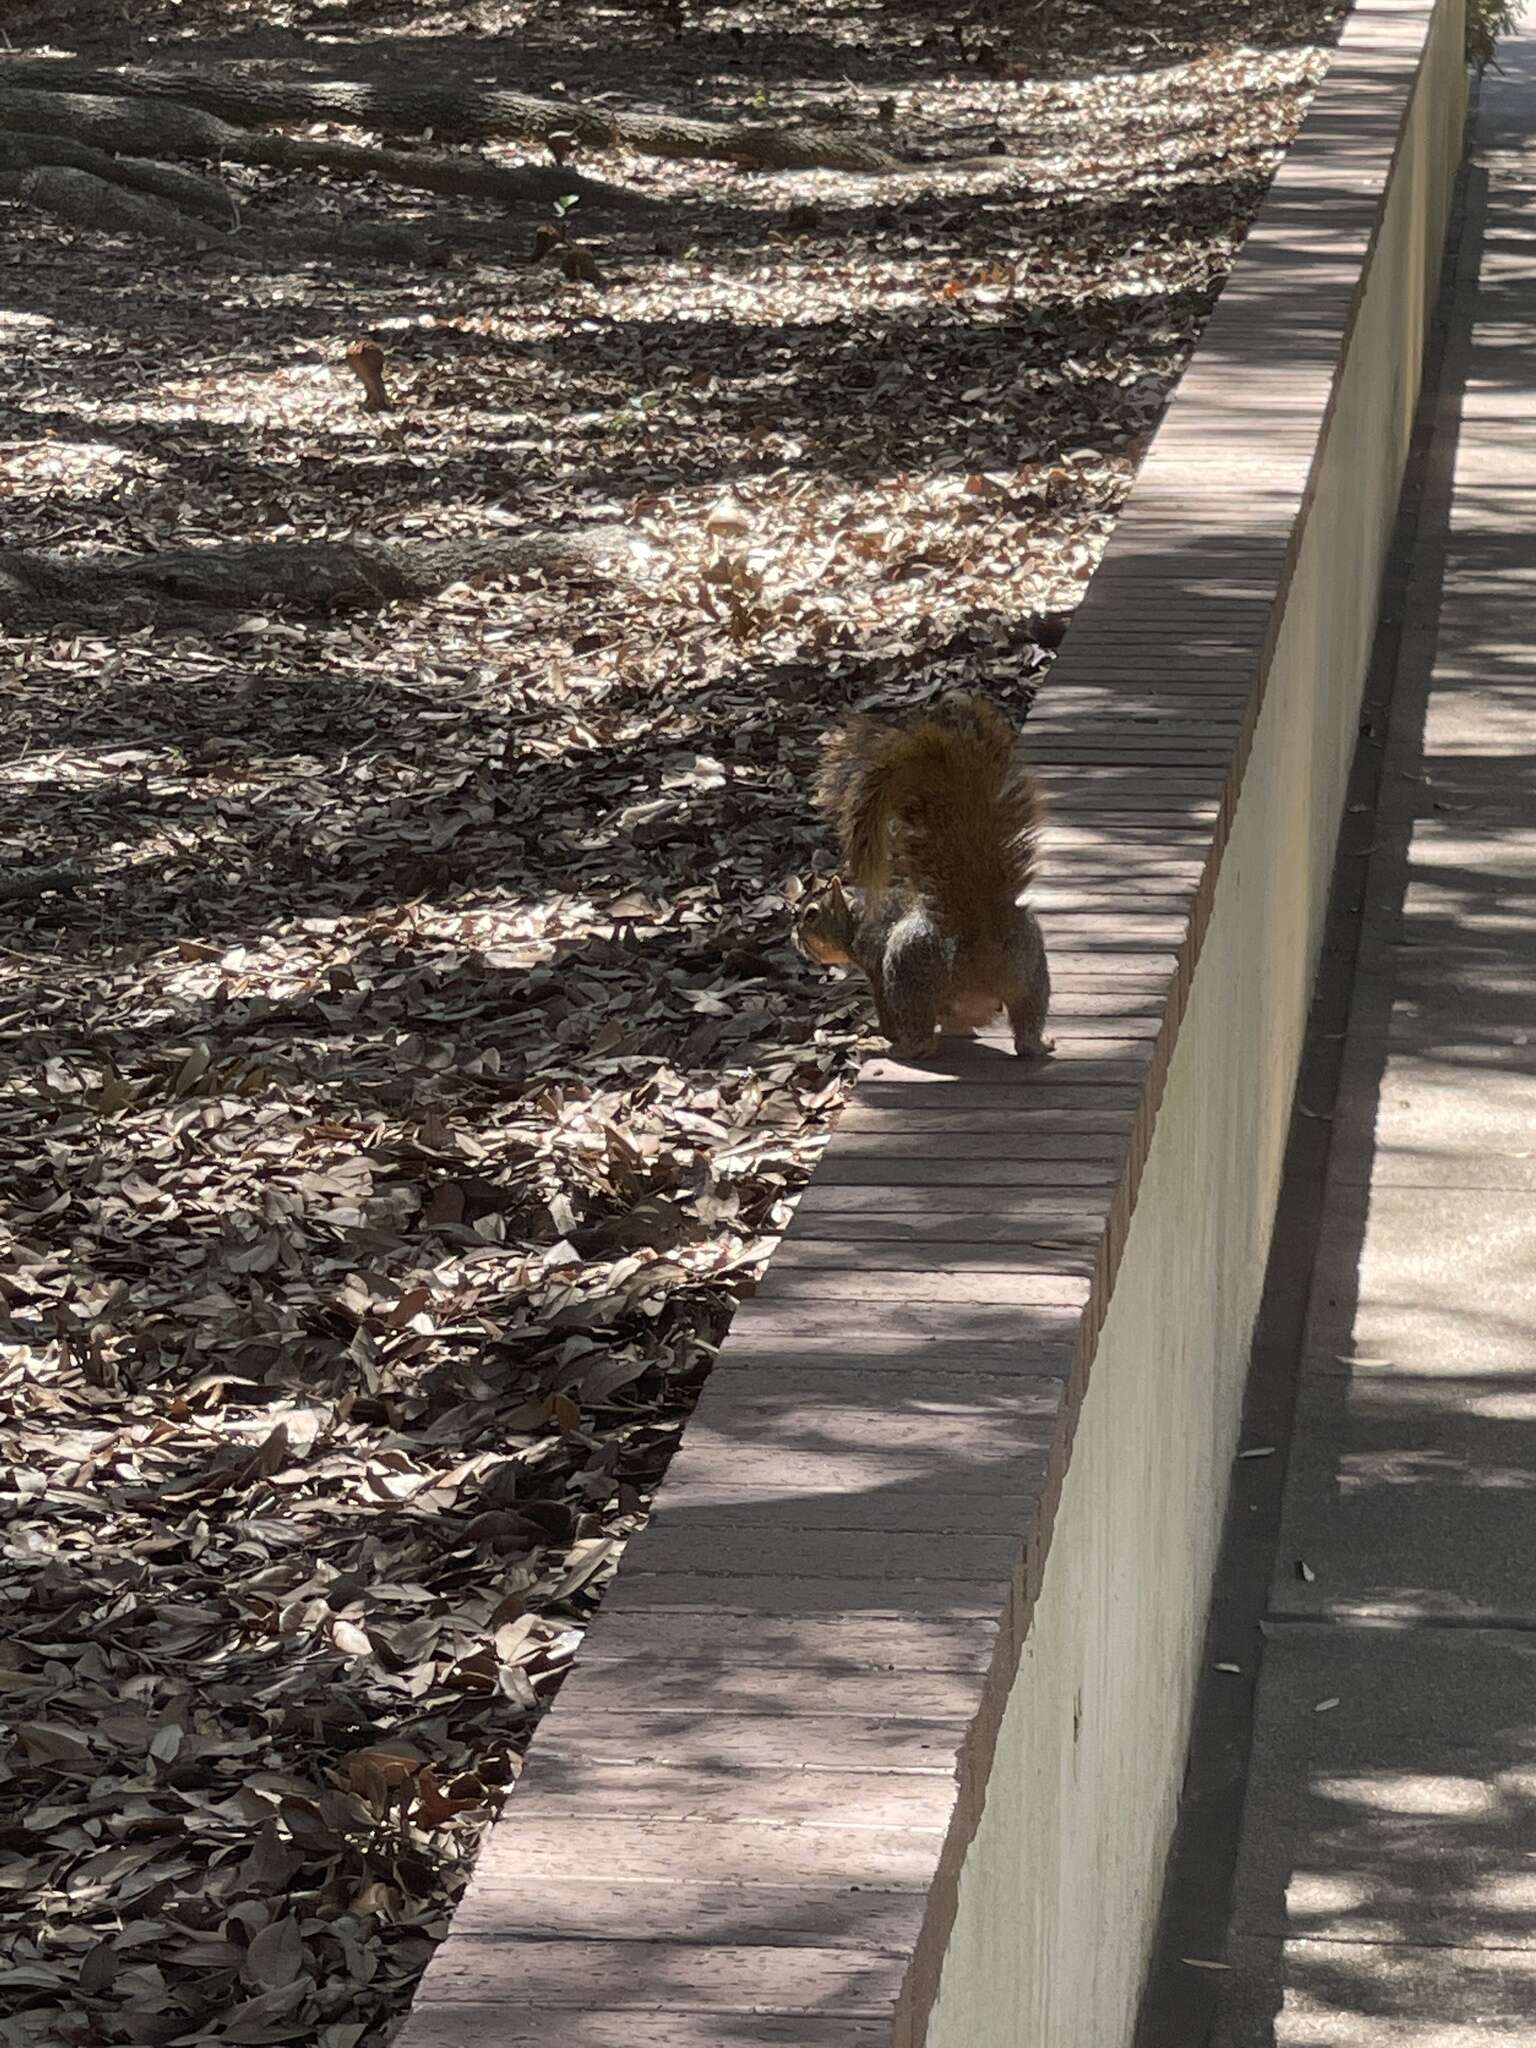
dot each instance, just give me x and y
(946, 806)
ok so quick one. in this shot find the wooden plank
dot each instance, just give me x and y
(845, 1646)
(597, 1689)
(781, 1743)
(1054, 1267)
(662, 1976)
(784, 1547)
(572, 1792)
(609, 1908)
(476, 2024)
(806, 1329)
(940, 1276)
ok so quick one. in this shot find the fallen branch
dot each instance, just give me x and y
(460, 113)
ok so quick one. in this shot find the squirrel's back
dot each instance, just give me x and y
(945, 808)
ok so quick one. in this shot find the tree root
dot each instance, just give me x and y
(86, 201)
(148, 126)
(203, 198)
(460, 113)
(89, 188)
(89, 202)
(185, 585)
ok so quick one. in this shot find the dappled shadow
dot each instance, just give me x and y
(388, 1037)
(415, 1074)
(1383, 1879)
(1420, 1390)
(929, 383)
(1393, 1863)
(1387, 1805)
(880, 43)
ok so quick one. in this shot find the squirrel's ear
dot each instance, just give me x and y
(819, 946)
(822, 931)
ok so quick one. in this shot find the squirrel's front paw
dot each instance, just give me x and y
(1035, 1048)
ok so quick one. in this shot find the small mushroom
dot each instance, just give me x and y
(365, 359)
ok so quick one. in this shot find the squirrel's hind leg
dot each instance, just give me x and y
(1027, 987)
(910, 1022)
(908, 985)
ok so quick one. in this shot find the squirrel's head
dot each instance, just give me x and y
(824, 929)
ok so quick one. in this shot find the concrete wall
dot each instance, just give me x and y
(1059, 1891)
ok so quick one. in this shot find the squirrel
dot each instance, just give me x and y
(938, 822)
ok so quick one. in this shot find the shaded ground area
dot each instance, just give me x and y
(402, 1061)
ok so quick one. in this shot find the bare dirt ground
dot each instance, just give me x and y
(403, 1062)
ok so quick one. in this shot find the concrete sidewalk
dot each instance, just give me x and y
(1386, 1880)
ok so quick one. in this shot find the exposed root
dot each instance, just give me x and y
(292, 575)
(461, 113)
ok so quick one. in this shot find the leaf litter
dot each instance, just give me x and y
(403, 1066)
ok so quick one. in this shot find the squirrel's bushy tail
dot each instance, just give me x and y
(946, 806)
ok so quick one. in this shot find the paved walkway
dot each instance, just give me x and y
(1386, 1881)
